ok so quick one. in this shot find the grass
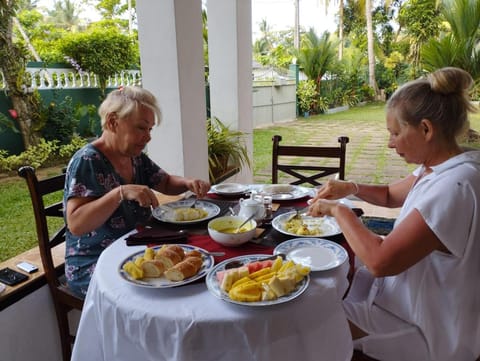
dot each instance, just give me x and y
(17, 226)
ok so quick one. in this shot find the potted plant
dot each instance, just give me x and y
(307, 95)
(226, 149)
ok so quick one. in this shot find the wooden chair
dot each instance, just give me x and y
(63, 299)
(307, 173)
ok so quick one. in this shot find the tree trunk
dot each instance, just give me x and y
(370, 44)
(340, 30)
(12, 64)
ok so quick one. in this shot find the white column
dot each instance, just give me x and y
(230, 65)
(171, 53)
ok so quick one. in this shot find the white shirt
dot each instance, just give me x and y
(441, 293)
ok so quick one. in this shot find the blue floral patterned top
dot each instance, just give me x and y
(90, 174)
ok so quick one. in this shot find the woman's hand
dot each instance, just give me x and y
(322, 207)
(335, 189)
(199, 187)
(140, 193)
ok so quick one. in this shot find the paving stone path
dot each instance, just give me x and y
(369, 160)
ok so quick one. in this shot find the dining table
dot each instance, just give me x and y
(122, 320)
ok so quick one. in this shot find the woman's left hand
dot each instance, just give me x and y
(322, 207)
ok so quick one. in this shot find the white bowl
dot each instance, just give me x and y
(221, 228)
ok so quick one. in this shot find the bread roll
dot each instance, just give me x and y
(187, 268)
(193, 253)
(170, 255)
(152, 268)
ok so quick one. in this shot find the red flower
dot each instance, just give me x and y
(13, 113)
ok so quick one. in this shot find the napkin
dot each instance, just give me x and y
(154, 236)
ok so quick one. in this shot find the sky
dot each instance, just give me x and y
(280, 14)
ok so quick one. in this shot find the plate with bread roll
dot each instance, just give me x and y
(166, 266)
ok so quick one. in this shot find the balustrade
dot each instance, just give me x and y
(68, 78)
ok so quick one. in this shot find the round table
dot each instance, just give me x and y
(122, 321)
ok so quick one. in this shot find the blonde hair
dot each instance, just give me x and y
(442, 97)
(126, 101)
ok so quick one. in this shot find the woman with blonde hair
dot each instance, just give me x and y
(109, 182)
(417, 295)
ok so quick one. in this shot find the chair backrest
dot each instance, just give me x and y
(293, 160)
(38, 190)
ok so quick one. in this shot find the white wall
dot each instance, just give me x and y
(273, 104)
(28, 329)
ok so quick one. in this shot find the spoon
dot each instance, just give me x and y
(236, 264)
(243, 223)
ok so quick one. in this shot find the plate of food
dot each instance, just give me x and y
(284, 192)
(230, 189)
(181, 212)
(316, 253)
(166, 266)
(305, 226)
(258, 282)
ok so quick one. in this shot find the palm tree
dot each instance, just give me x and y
(370, 47)
(459, 47)
(65, 14)
(316, 55)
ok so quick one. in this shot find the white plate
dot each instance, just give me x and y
(327, 226)
(162, 282)
(230, 189)
(285, 192)
(316, 253)
(214, 287)
(165, 216)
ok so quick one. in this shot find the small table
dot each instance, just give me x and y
(121, 321)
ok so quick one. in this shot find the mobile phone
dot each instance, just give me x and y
(27, 267)
(12, 277)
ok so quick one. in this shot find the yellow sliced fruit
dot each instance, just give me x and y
(303, 270)
(139, 260)
(246, 292)
(133, 270)
(277, 264)
(240, 281)
(149, 254)
(286, 265)
(265, 277)
(261, 272)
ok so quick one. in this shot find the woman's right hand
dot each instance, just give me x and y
(140, 193)
(335, 189)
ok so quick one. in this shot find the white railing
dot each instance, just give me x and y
(69, 78)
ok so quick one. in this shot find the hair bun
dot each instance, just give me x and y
(450, 81)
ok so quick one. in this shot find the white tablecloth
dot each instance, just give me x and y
(121, 321)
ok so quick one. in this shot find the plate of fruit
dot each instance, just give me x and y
(258, 282)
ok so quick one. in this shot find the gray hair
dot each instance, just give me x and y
(126, 101)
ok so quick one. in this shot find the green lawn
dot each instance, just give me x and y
(17, 226)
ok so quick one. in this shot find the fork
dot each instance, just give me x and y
(194, 203)
(297, 214)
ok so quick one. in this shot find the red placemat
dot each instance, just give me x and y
(205, 242)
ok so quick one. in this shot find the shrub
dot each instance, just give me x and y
(60, 122)
(44, 154)
(307, 95)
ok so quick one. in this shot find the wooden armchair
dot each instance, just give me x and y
(63, 299)
(304, 163)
